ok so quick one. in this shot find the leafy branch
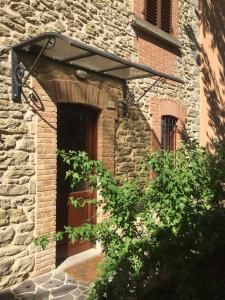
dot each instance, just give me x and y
(167, 223)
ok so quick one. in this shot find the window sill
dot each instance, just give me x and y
(156, 32)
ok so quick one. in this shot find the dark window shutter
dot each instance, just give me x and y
(166, 15)
(151, 11)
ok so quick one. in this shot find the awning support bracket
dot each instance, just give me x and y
(129, 97)
(159, 79)
(18, 70)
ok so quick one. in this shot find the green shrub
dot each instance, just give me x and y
(169, 224)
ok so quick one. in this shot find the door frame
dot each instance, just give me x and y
(64, 89)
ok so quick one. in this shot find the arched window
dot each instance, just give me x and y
(168, 133)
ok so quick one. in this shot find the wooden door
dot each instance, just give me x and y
(76, 131)
(77, 217)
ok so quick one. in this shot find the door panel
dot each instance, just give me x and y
(76, 131)
(79, 216)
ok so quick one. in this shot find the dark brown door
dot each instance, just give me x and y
(76, 130)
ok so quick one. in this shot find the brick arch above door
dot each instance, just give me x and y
(165, 106)
(69, 91)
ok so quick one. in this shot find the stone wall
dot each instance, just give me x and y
(188, 64)
(132, 140)
(93, 22)
(104, 26)
(17, 191)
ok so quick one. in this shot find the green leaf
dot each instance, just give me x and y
(42, 241)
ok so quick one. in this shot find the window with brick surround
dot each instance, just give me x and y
(168, 133)
(159, 13)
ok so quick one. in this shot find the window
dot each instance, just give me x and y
(158, 13)
(168, 133)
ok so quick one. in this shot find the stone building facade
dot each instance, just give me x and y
(28, 130)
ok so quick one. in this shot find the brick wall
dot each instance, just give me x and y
(152, 51)
(46, 139)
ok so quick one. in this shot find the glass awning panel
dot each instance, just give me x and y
(96, 63)
(58, 47)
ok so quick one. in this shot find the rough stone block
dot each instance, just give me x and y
(10, 250)
(131, 138)
(22, 180)
(12, 190)
(124, 151)
(5, 203)
(10, 126)
(32, 187)
(121, 133)
(47, 3)
(125, 167)
(16, 114)
(4, 217)
(122, 159)
(11, 158)
(192, 112)
(26, 227)
(24, 264)
(19, 171)
(4, 31)
(7, 143)
(11, 25)
(5, 266)
(6, 235)
(135, 115)
(23, 238)
(23, 201)
(17, 216)
(139, 126)
(4, 114)
(18, 158)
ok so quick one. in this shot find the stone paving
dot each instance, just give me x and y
(55, 285)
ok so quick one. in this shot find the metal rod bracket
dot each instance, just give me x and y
(18, 71)
(129, 97)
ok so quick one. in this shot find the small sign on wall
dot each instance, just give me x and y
(111, 104)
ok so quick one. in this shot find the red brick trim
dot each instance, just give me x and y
(49, 93)
(45, 212)
(165, 106)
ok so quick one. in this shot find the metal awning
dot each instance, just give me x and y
(57, 47)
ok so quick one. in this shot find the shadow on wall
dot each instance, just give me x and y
(31, 96)
(212, 62)
(212, 67)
